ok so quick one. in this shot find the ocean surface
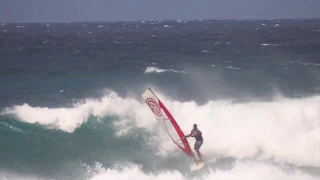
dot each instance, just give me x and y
(71, 105)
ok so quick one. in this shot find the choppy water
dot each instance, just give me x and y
(71, 105)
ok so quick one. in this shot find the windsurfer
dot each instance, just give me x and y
(197, 134)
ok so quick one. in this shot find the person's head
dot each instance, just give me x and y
(195, 126)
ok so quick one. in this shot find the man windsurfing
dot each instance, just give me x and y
(197, 134)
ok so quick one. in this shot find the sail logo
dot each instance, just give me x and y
(154, 106)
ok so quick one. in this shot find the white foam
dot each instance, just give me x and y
(230, 67)
(134, 172)
(266, 44)
(253, 170)
(241, 170)
(166, 26)
(152, 69)
(285, 130)
(68, 119)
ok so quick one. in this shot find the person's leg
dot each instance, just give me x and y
(197, 146)
(199, 154)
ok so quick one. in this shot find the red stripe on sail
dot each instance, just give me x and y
(186, 149)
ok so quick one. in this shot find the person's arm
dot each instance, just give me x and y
(188, 135)
(194, 134)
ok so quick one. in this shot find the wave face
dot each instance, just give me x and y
(71, 105)
(113, 130)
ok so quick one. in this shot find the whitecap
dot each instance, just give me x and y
(152, 69)
(230, 67)
(266, 44)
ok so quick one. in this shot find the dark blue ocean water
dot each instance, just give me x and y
(58, 119)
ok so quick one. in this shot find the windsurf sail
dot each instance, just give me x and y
(167, 121)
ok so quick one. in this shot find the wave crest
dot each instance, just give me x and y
(286, 131)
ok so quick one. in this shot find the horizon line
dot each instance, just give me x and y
(204, 19)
